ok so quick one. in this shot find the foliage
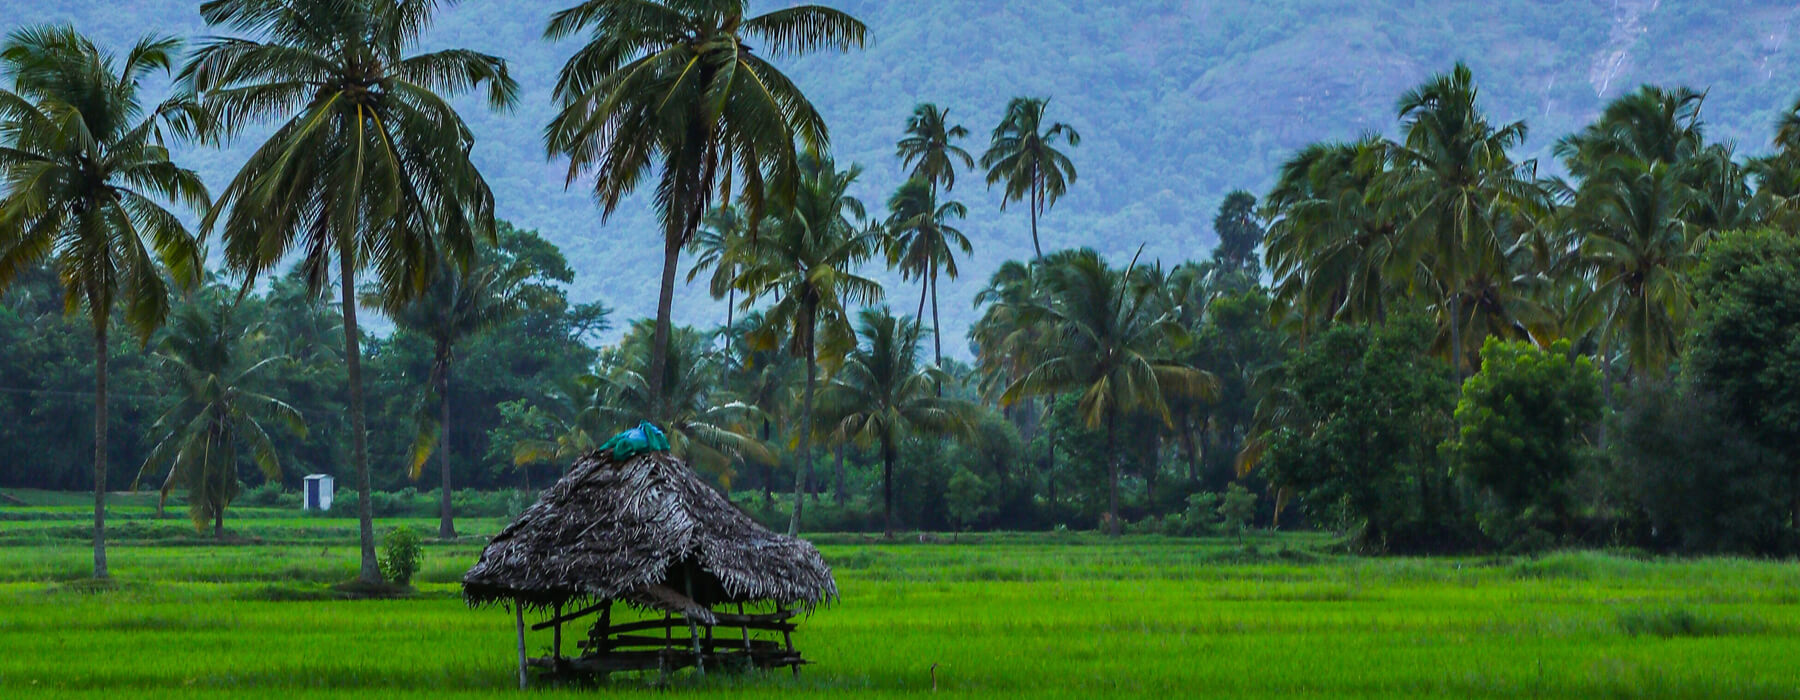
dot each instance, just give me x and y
(1688, 478)
(966, 499)
(1236, 510)
(1522, 424)
(401, 555)
(1369, 409)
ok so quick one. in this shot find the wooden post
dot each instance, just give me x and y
(605, 640)
(694, 641)
(556, 645)
(662, 658)
(788, 637)
(519, 615)
(745, 628)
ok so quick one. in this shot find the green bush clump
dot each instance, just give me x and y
(401, 554)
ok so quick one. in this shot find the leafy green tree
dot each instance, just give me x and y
(1522, 423)
(881, 395)
(85, 172)
(924, 243)
(965, 498)
(1240, 234)
(1688, 477)
(675, 87)
(1743, 348)
(1366, 410)
(929, 147)
(1106, 344)
(805, 262)
(213, 356)
(1023, 155)
(457, 306)
(369, 163)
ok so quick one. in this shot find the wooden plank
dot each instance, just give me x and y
(578, 614)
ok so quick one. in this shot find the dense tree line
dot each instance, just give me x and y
(1437, 347)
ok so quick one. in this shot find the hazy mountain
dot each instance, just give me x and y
(1179, 101)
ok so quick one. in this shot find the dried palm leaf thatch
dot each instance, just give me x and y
(651, 533)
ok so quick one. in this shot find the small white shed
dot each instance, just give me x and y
(317, 495)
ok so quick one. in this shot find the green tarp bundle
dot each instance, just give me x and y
(636, 441)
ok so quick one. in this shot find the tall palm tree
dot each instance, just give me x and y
(369, 163)
(456, 306)
(1107, 344)
(1023, 154)
(924, 243)
(1455, 184)
(213, 357)
(881, 395)
(84, 171)
(1330, 245)
(722, 242)
(929, 147)
(703, 428)
(674, 87)
(1637, 250)
(805, 260)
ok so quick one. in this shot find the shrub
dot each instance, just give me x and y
(401, 554)
(1236, 510)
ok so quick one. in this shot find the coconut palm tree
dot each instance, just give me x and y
(1108, 345)
(214, 358)
(1453, 185)
(704, 427)
(1330, 246)
(675, 88)
(722, 242)
(458, 305)
(1024, 156)
(369, 162)
(924, 244)
(929, 147)
(83, 175)
(881, 395)
(805, 262)
(1636, 247)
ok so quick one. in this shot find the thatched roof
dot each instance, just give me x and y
(647, 531)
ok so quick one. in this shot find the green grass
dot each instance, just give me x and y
(1069, 615)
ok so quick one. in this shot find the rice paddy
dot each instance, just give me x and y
(1059, 615)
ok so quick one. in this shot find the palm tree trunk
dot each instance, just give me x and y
(100, 370)
(1456, 359)
(887, 486)
(924, 290)
(369, 571)
(804, 467)
(1112, 481)
(841, 494)
(937, 337)
(218, 522)
(446, 520)
(665, 302)
(1035, 246)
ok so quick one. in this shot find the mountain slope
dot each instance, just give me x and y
(1179, 101)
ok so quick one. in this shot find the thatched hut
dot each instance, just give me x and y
(649, 533)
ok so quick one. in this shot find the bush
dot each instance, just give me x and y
(401, 554)
(1236, 510)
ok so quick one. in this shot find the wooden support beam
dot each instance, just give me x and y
(787, 637)
(571, 617)
(519, 615)
(556, 645)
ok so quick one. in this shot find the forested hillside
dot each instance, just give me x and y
(1178, 101)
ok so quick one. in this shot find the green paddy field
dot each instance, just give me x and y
(1055, 615)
